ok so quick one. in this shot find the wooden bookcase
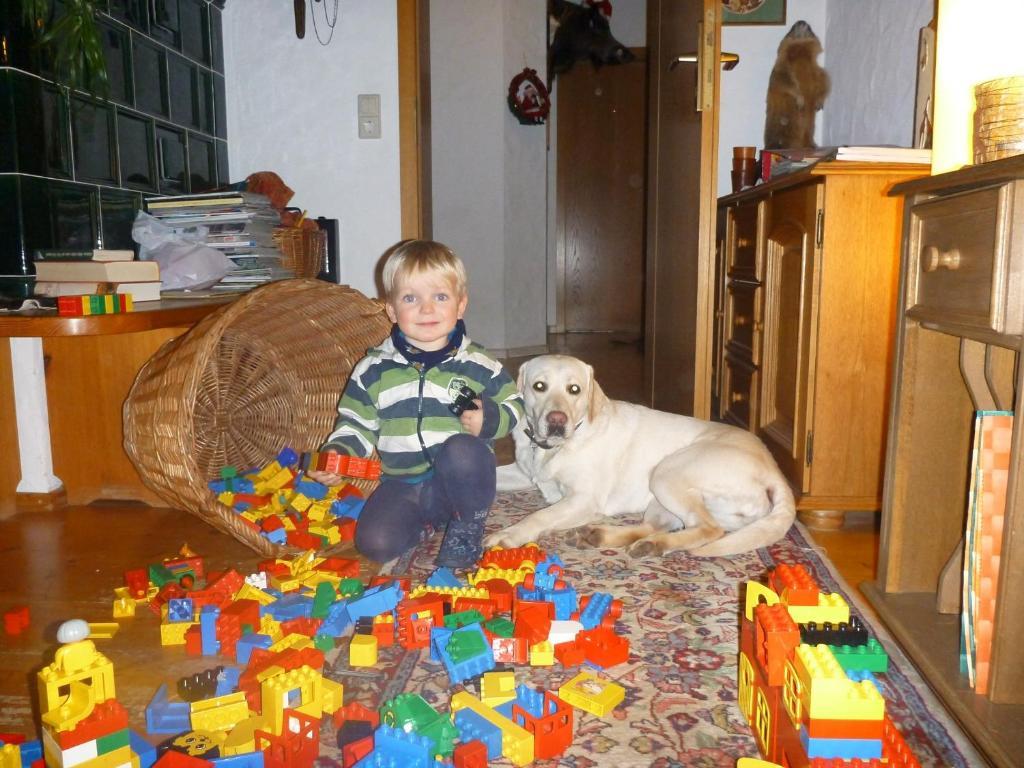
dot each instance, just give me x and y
(959, 333)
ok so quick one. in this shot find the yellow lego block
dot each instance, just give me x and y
(422, 589)
(242, 738)
(300, 502)
(332, 696)
(329, 532)
(124, 608)
(227, 498)
(826, 691)
(252, 515)
(269, 471)
(173, 633)
(513, 577)
(362, 651)
(753, 762)
(516, 742)
(542, 654)
(270, 627)
(285, 583)
(219, 714)
(10, 756)
(497, 688)
(280, 480)
(292, 640)
(300, 689)
(199, 743)
(831, 607)
(103, 630)
(249, 592)
(319, 510)
(590, 693)
(89, 677)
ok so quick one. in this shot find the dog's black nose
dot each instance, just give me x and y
(556, 423)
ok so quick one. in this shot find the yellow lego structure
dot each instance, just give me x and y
(831, 607)
(590, 693)
(824, 690)
(292, 640)
(542, 654)
(513, 577)
(89, 679)
(10, 756)
(173, 633)
(221, 713)
(103, 630)
(497, 688)
(422, 589)
(362, 651)
(123, 608)
(516, 742)
(300, 689)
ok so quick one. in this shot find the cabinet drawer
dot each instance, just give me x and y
(961, 268)
(741, 323)
(742, 247)
(739, 390)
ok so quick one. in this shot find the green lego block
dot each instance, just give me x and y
(350, 588)
(323, 599)
(442, 734)
(465, 645)
(861, 658)
(160, 574)
(500, 626)
(463, 618)
(112, 741)
(323, 643)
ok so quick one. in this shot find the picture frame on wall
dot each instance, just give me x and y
(742, 12)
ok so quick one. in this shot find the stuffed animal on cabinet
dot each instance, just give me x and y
(796, 90)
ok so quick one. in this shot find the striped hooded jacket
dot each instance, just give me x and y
(395, 406)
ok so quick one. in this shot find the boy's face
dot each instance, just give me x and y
(426, 307)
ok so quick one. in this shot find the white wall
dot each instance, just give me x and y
(872, 51)
(291, 108)
(489, 172)
(742, 105)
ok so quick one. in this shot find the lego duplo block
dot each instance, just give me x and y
(484, 606)
(595, 609)
(244, 760)
(592, 694)
(895, 750)
(547, 718)
(842, 749)
(384, 630)
(443, 577)
(852, 632)
(793, 584)
(198, 686)
(89, 677)
(16, 620)
(219, 714)
(175, 634)
(497, 688)
(180, 609)
(819, 728)
(374, 601)
(568, 654)
(246, 643)
(532, 623)
(474, 727)
(471, 754)
(870, 656)
(297, 689)
(165, 716)
(516, 742)
(196, 743)
(405, 749)
(828, 693)
(462, 619)
(512, 576)
(362, 651)
(107, 717)
(142, 749)
(775, 637)
(513, 558)
(831, 607)
(542, 654)
(467, 653)
(602, 647)
(356, 711)
(501, 593)
(511, 650)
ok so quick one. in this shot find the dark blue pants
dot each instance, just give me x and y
(398, 515)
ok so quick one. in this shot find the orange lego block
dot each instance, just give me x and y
(107, 717)
(512, 558)
(820, 728)
(793, 584)
(775, 637)
(894, 748)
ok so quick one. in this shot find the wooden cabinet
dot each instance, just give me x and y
(807, 307)
(959, 338)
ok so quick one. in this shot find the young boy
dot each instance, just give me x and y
(438, 467)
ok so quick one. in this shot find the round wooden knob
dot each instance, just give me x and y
(932, 259)
(740, 320)
(744, 242)
(739, 397)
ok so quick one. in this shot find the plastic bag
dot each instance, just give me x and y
(185, 262)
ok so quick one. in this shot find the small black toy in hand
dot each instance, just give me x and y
(464, 401)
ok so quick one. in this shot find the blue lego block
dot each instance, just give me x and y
(860, 675)
(471, 667)
(287, 457)
(566, 603)
(336, 621)
(547, 571)
(528, 698)
(165, 716)
(290, 606)
(31, 751)
(277, 536)
(596, 609)
(311, 489)
(443, 577)
(350, 506)
(474, 726)
(243, 760)
(438, 641)
(228, 677)
(208, 630)
(375, 601)
(841, 749)
(409, 750)
(180, 609)
(142, 749)
(246, 643)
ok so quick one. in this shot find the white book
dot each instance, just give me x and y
(884, 154)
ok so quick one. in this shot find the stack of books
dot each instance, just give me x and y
(778, 162)
(99, 271)
(238, 224)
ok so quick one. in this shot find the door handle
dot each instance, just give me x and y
(728, 60)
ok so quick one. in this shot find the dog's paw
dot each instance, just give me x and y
(645, 548)
(506, 539)
(584, 537)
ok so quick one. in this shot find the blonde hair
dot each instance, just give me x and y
(413, 257)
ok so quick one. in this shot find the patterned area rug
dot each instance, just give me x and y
(681, 616)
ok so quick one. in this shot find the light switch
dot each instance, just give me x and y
(368, 109)
(369, 127)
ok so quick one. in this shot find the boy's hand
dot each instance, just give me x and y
(329, 479)
(473, 421)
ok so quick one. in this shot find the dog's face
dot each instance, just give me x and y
(559, 394)
(583, 32)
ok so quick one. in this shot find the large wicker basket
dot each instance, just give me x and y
(260, 374)
(303, 251)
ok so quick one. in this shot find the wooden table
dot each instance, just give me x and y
(62, 388)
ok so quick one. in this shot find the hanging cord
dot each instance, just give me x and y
(327, 19)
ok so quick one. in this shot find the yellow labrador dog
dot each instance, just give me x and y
(704, 487)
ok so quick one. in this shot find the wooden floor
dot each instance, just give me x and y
(65, 564)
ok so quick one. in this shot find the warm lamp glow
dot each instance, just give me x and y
(976, 40)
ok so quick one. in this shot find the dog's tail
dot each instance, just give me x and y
(763, 531)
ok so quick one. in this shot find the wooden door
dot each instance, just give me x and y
(681, 183)
(790, 312)
(599, 210)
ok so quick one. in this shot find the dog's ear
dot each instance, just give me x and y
(598, 399)
(521, 377)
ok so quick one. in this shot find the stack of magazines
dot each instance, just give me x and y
(238, 224)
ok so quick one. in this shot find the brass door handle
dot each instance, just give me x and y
(728, 60)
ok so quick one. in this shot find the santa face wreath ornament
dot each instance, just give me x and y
(528, 98)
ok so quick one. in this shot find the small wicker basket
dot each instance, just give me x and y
(998, 119)
(262, 373)
(303, 251)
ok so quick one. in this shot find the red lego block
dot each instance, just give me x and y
(301, 626)
(384, 631)
(776, 635)
(355, 751)
(69, 306)
(894, 748)
(16, 620)
(12, 738)
(404, 582)
(818, 728)
(500, 592)
(603, 647)
(298, 746)
(273, 568)
(241, 612)
(137, 581)
(512, 558)
(345, 567)
(356, 711)
(552, 731)
(193, 641)
(510, 650)
(835, 762)
(332, 461)
(362, 469)
(472, 754)
(486, 606)
(106, 718)
(172, 759)
(532, 620)
(230, 581)
(793, 584)
(569, 654)
(346, 528)
(271, 523)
